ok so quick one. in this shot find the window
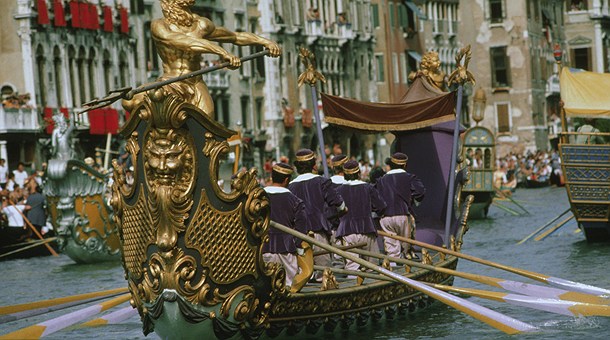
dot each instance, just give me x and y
(582, 58)
(403, 67)
(503, 118)
(403, 17)
(57, 67)
(40, 66)
(245, 103)
(375, 15)
(91, 68)
(391, 15)
(107, 64)
(496, 11)
(380, 69)
(500, 67)
(396, 68)
(239, 22)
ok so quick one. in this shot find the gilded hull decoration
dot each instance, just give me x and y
(182, 232)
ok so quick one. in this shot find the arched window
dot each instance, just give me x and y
(92, 66)
(40, 67)
(57, 68)
(71, 70)
(82, 80)
(108, 85)
(124, 77)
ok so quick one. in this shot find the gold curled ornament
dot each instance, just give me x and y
(311, 75)
(461, 75)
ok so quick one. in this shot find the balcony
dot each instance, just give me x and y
(218, 80)
(313, 29)
(19, 120)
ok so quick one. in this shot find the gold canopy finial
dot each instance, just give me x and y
(311, 75)
(461, 75)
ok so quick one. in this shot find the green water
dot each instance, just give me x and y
(564, 254)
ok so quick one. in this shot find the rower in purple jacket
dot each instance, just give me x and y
(400, 190)
(361, 199)
(289, 210)
(337, 163)
(318, 193)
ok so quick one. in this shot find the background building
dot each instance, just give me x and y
(61, 54)
(512, 60)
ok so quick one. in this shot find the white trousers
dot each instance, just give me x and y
(287, 260)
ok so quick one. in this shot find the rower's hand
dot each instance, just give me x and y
(234, 62)
(274, 49)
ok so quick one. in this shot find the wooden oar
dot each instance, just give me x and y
(44, 310)
(51, 326)
(32, 245)
(324, 252)
(544, 226)
(569, 308)
(554, 229)
(512, 200)
(492, 318)
(26, 243)
(53, 302)
(513, 286)
(511, 211)
(111, 318)
(27, 222)
(554, 281)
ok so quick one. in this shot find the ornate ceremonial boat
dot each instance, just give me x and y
(586, 165)
(77, 204)
(192, 252)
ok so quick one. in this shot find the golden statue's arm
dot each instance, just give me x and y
(163, 34)
(223, 35)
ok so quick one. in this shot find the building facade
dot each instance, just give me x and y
(512, 60)
(57, 55)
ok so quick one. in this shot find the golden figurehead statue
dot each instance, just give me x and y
(182, 37)
(430, 68)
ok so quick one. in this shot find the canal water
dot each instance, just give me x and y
(564, 254)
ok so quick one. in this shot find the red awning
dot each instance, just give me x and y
(124, 20)
(83, 10)
(58, 11)
(94, 17)
(43, 13)
(107, 11)
(103, 121)
(74, 14)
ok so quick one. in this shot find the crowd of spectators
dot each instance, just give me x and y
(514, 170)
(23, 205)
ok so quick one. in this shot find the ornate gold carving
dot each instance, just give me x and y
(386, 264)
(336, 302)
(134, 150)
(461, 75)
(430, 69)
(305, 263)
(328, 280)
(311, 75)
(426, 258)
(138, 232)
(169, 170)
(220, 239)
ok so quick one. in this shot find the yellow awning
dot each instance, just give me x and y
(585, 94)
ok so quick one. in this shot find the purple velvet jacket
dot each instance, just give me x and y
(399, 189)
(318, 193)
(361, 199)
(289, 210)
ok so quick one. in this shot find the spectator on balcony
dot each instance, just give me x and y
(342, 19)
(313, 14)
